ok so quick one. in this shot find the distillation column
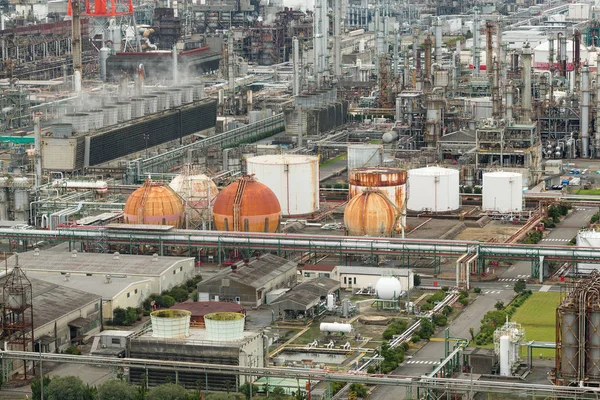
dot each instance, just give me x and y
(337, 39)
(76, 45)
(438, 40)
(597, 132)
(476, 54)
(526, 92)
(585, 112)
(296, 61)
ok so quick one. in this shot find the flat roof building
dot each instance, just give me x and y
(305, 300)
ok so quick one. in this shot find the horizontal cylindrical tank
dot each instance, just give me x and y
(150, 104)
(390, 136)
(370, 214)
(96, 120)
(388, 288)
(335, 327)
(502, 192)
(224, 326)
(80, 122)
(124, 111)
(138, 107)
(293, 178)
(98, 186)
(433, 189)
(364, 155)
(111, 114)
(170, 324)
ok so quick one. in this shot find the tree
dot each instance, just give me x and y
(520, 286)
(499, 305)
(116, 390)
(165, 301)
(179, 294)
(300, 395)
(249, 390)
(36, 388)
(168, 391)
(220, 396)
(277, 393)
(417, 280)
(119, 316)
(359, 389)
(68, 388)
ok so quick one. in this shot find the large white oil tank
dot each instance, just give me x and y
(588, 238)
(433, 189)
(388, 288)
(364, 155)
(170, 323)
(502, 192)
(336, 327)
(224, 326)
(293, 178)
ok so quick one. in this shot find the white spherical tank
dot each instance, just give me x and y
(364, 155)
(433, 189)
(199, 192)
(224, 326)
(388, 288)
(293, 178)
(173, 324)
(503, 192)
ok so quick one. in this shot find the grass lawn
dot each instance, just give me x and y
(335, 159)
(594, 192)
(538, 317)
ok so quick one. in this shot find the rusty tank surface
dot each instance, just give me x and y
(247, 206)
(370, 213)
(154, 204)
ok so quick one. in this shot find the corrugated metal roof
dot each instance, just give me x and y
(358, 270)
(260, 271)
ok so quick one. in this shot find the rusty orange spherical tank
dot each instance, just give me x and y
(370, 214)
(247, 206)
(154, 204)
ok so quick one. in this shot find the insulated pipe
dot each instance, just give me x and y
(526, 93)
(585, 112)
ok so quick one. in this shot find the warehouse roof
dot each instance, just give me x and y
(94, 263)
(309, 293)
(379, 271)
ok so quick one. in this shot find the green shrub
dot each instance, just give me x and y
(179, 294)
(395, 328)
(440, 320)
(415, 338)
(477, 290)
(165, 301)
(73, 350)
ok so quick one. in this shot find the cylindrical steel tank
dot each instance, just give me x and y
(569, 344)
(199, 192)
(175, 95)
(96, 120)
(138, 107)
(21, 198)
(4, 198)
(502, 192)
(364, 155)
(164, 101)
(124, 111)
(187, 94)
(80, 121)
(390, 181)
(248, 206)
(111, 114)
(370, 214)
(433, 189)
(335, 327)
(154, 204)
(150, 104)
(594, 340)
(224, 326)
(170, 324)
(293, 178)
(199, 92)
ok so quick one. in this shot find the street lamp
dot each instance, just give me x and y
(146, 138)
(41, 370)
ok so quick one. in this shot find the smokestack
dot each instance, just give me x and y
(337, 40)
(103, 61)
(526, 92)
(438, 40)
(585, 112)
(175, 65)
(296, 60)
(76, 39)
(37, 131)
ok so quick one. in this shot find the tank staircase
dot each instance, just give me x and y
(237, 204)
(142, 207)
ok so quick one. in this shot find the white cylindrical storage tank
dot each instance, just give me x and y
(175, 96)
(187, 94)
(96, 120)
(293, 178)
(137, 107)
(335, 327)
(330, 302)
(124, 111)
(80, 122)
(388, 288)
(587, 238)
(503, 192)
(364, 155)
(199, 92)
(150, 104)
(163, 100)
(111, 114)
(433, 189)
(505, 356)
(172, 324)
(224, 326)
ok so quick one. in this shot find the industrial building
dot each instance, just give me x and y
(306, 300)
(359, 277)
(249, 281)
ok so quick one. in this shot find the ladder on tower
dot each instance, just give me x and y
(237, 204)
(142, 207)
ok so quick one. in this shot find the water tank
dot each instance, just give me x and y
(138, 107)
(124, 111)
(224, 326)
(111, 114)
(433, 189)
(502, 192)
(259, 209)
(150, 104)
(389, 181)
(170, 324)
(332, 327)
(80, 121)
(199, 192)
(96, 119)
(364, 155)
(370, 214)
(388, 288)
(293, 178)
(154, 204)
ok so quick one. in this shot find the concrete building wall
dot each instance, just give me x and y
(133, 296)
(357, 281)
(177, 274)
